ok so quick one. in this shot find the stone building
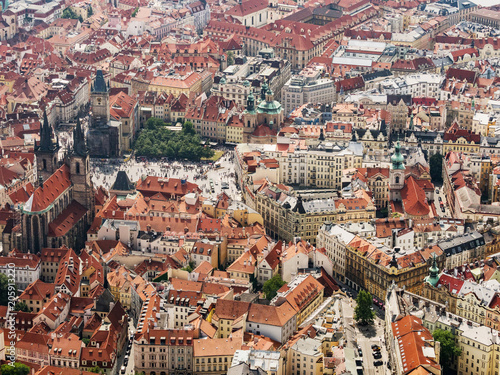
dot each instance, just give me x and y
(104, 134)
(62, 207)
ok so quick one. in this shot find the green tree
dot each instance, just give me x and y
(97, 370)
(363, 313)
(155, 140)
(230, 58)
(17, 369)
(449, 349)
(21, 306)
(86, 341)
(436, 168)
(68, 13)
(90, 11)
(272, 286)
(154, 123)
(189, 267)
(4, 289)
(188, 128)
(134, 13)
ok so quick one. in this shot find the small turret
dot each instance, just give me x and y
(433, 277)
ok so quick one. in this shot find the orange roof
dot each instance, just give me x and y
(52, 188)
(303, 293)
(71, 215)
(414, 200)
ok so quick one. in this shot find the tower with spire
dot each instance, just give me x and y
(46, 151)
(396, 174)
(99, 97)
(79, 164)
(433, 277)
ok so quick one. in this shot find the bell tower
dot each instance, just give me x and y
(83, 190)
(99, 97)
(46, 151)
(396, 174)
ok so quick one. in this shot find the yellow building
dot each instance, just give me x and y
(371, 268)
(120, 286)
(214, 356)
(460, 140)
(304, 219)
(37, 294)
(234, 130)
(176, 85)
(480, 351)
(304, 294)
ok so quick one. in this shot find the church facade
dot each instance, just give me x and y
(61, 208)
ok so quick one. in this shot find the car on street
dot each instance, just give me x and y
(377, 363)
(375, 347)
(377, 355)
(437, 191)
(360, 352)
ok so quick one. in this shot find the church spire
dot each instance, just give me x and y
(46, 144)
(79, 144)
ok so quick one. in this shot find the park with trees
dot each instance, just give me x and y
(157, 140)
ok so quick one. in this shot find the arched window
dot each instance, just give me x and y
(44, 164)
(397, 179)
(77, 168)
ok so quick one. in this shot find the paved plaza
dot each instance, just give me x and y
(105, 171)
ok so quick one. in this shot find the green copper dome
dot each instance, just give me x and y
(433, 277)
(222, 81)
(397, 158)
(250, 103)
(271, 108)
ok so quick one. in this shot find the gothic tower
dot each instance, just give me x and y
(46, 151)
(83, 191)
(396, 174)
(249, 117)
(99, 97)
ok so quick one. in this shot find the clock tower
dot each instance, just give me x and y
(99, 97)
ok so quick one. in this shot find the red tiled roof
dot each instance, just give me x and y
(52, 188)
(414, 200)
(167, 186)
(247, 7)
(66, 219)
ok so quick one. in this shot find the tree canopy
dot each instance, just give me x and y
(17, 369)
(363, 313)
(4, 290)
(449, 349)
(436, 168)
(21, 306)
(155, 140)
(97, 370)
(69, 13)
(272, 285)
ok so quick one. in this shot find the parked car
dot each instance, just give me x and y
(360, 352)
(377, 363)
(375, 347)
(377, 355)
